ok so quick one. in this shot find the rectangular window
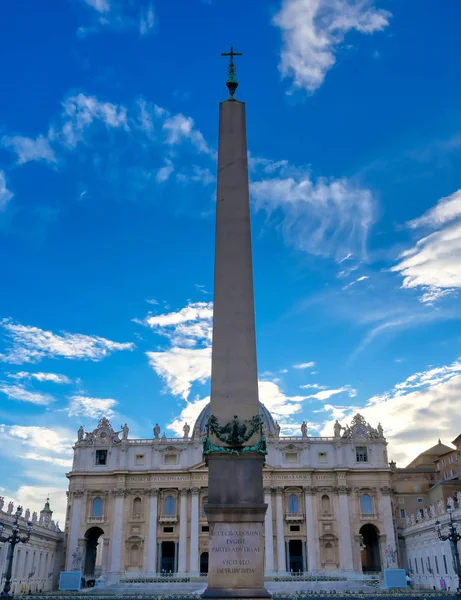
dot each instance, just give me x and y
(419, 500)
(205, 528)
(171, 459)
(101, 457)
(453, 474)
(429, 568)
(295, 528)
(416, 565)
(402, 513)
(451, 459)
(291, 457)
(361, 454)
(436, 565)
(399, 488)
(445, 475)
(417, 488)
(444, 464)
(445, 565)
(422, 565)
(401, 500)
(139, 459)
(323, 458)
(168, 530)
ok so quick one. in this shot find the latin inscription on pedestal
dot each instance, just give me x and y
(236, 555)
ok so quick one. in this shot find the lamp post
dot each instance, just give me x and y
(13, 539)
(453, 536)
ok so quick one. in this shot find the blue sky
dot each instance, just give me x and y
(108, 140)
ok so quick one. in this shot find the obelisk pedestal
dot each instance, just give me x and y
(235, 445)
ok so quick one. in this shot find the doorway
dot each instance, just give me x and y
(295, 556)
(204, 563)
(91, 550)
(167, 563)
(371, 561)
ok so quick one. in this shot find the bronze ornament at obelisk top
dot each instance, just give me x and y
(234, 446)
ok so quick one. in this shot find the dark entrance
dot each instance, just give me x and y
(371, 561)
(167, 564)
(295, 556)
(204, 563)
(91, 536)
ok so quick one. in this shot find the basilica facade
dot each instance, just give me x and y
(137, 507)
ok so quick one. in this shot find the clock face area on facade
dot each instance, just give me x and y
(359, 431)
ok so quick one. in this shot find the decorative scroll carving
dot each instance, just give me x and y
(386, 490)
(152, 492)
(342, 489)
(119, 493)
(103, 434)
(359, 428)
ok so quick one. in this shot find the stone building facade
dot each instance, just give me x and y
(137, 506)
(36, 564)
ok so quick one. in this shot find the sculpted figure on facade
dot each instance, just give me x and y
(458, 499)
(432, 511)
(391, 557)
(80, 433)
(277, 429)
(337, 428)
(2, 502)
(413, 519)
(125, 431)
(450, 502)
(27, 515)
(304, 429)
(380, 430)
(10, 508)
(186, 430)
(156, 431)
(77, 559)
(440, 507)
(34, 517)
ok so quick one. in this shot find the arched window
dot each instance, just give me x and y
(204, 501)
(326, 505)
(137, 506)
(366, 504)
(134, 555)
(329, 553)
(97, 507)
(170, 506)
(293, 504)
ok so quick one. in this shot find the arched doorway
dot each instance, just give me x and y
(91, 550)
(371, 561)
(204, 563)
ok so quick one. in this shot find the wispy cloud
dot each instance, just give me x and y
(305, 365)
(60, 462)
(313, 31)
(95, 408)
(53, 377)
(119, 15)
(325, 217)
(28, 149)
(432, 264)
(19, 392)
(327, 394)
(55, 439)
(179, 128)
(147, 20)
(31, 344)
(5, 193)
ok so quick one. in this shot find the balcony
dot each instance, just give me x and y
(168, 519)
(368, 516)
(293, 517)
(92, 519)
(327, 515)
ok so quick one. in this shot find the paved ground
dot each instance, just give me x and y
(385, 595)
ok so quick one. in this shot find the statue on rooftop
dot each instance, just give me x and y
(277, 429)
(156, 431)
(304, 429)
(125, 431)
(80, 433)
(380, 430)
(186, 430)
(337, 428)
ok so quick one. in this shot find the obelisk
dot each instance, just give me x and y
(234, 446)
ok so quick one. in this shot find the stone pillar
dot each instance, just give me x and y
(281, 559)
(310, 530)
(344, 526)
(151, 562)
(182, 557)
(74, 533)
(105, 555)
(117, 532)
(389, 560)
(268, 532)
(194, 523)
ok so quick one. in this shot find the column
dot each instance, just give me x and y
(268, 531)
(310, 530)
(389, 560)
(281, 561)
(117, 530)
(344, 526)
(74, 533)
(194, 522)
(151, 563)
(182, 552)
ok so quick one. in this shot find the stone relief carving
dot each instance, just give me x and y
(359, 428)
(103, 434)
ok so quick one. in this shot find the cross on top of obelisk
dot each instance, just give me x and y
(231, 83)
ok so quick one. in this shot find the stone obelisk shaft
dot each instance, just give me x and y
(236, 508)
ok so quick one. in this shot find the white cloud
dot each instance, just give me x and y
(33, 497)
(5, 193)
(180, 367)
(313, 31)
(101, 6)
(306, 365)
(147, 21)
(19, 392)
(95, 408)
(31, 344)
(179, 128)
(327, 394)
(163, 174)
(325, 217)
(416, 412)
(432, 264)
(362, 278)
(189, 414)
(313, 386)
(60, 462)
(28, 149)
(53, 377)
(152, 301)
(186, 327)
(56, 440)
